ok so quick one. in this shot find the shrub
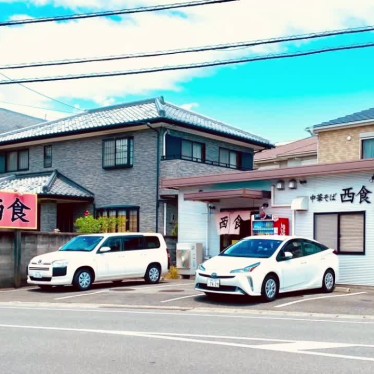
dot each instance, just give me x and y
(91, 225)
(173, 273)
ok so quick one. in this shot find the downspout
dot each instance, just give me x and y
(157, 173)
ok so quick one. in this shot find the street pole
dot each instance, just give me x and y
(17, 258)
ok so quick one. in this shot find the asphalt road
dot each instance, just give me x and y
(180, 295)
(73, 338)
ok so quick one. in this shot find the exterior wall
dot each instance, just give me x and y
(81, 161)
(334, 146)
(48, 216)
(33, 244)
(354, 269)
(302, 161)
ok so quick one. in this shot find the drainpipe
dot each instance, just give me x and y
(157, 172)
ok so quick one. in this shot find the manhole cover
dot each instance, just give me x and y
(171, 291)
(122, 289)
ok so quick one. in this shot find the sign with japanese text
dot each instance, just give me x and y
(18, 211)
(348, 195)
(229, 222)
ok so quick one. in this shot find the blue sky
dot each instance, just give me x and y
(275, 99)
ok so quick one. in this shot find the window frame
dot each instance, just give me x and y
(18, 154)
(338, 233)
(47, 156)
(129, 153)
(363, 140)
(114, 212)
(230, 152)
(192, 144)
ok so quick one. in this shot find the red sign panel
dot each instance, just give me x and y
(18, 211)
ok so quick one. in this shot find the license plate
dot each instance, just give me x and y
(38, 275)
(213, 282)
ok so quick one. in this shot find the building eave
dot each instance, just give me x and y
(257, 175)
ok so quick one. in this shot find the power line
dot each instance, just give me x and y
(186, 67)
(114, 12)
(40, 94)
(293, 38)
(34, 107)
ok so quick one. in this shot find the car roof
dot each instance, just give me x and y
(108, 234)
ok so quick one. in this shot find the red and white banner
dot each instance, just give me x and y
(18, 211)
(229, 222)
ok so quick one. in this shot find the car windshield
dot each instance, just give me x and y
(254, 248)
(82, 244)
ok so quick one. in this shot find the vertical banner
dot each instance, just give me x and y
(18, 211)
(223, 222)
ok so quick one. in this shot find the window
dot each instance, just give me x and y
(118, 153)
(178, 148)
(367, 148)
(129, 215)
(344, 232)
(192, 151)
(229, 158)
(47, 156)
(15, 161)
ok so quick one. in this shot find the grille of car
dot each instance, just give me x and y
(38, 268)
(217, 276)
(203, 286)
(43, 279)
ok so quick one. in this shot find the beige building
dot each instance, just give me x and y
(299, 153)
(344, 139)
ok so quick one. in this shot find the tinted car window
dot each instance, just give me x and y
(152, 242)
(254, 248)
(311, 248)
(131, 243)
(82, 243)
(113, 243)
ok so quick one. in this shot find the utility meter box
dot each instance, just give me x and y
(189, 256)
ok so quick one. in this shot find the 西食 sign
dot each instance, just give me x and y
(18, 211)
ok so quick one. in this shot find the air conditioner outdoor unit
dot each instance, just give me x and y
(189, 256)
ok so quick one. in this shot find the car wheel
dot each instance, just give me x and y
(153, 274)
(328, 281)
(270, 288)
(83, 279)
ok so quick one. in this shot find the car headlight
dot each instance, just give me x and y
(201, 267)
(247, 269)
(60, 263)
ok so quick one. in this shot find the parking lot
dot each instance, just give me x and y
(180, 295)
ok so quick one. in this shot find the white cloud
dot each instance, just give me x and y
(216, 24)
(190, 106)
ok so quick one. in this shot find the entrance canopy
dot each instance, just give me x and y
(215, 196)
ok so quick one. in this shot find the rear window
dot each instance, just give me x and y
(254, 248)
(152, 242)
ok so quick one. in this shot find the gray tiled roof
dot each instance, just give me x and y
(47, 184)
(10, 120)
(127, 115)
(364, 115)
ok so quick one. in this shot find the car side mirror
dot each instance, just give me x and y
(287, 255)
(104, 249)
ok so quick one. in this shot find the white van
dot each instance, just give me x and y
(101, 257)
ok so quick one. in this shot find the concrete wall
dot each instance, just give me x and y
(341, 145)
(32, 244)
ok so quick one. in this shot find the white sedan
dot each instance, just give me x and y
(268, 265)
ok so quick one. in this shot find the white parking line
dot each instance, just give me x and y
(16, 289)
(179, 298)
(167, 285)
(316, 298)
(80, 295)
